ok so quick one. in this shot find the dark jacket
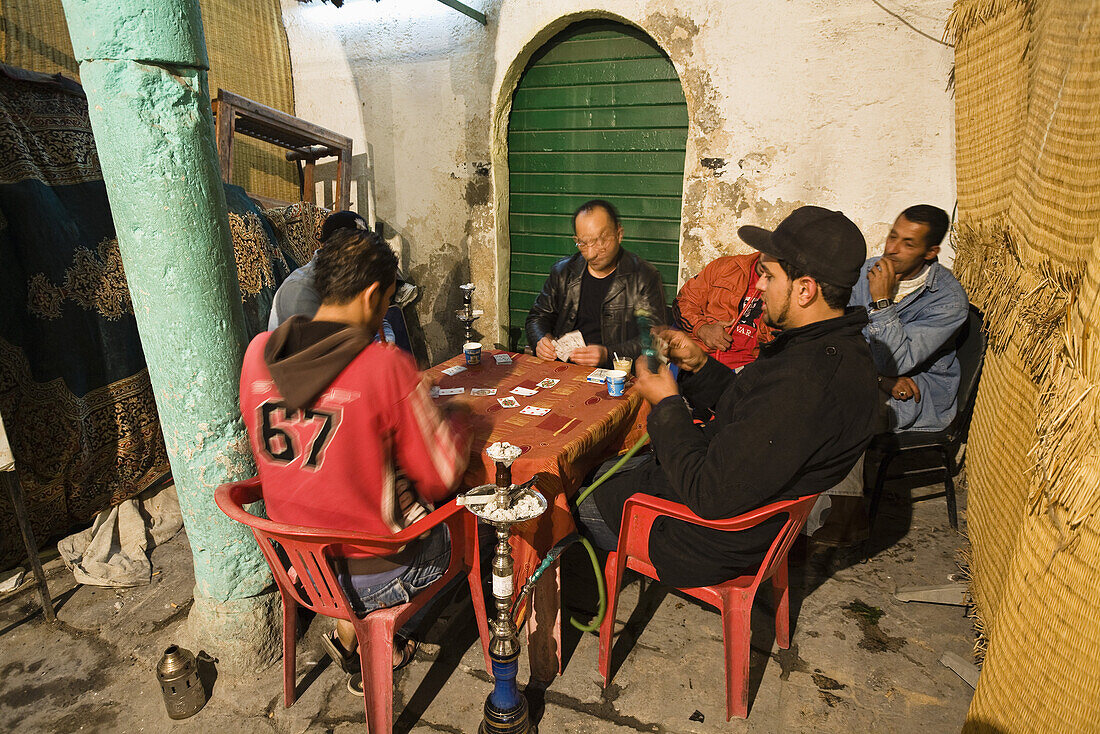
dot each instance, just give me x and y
(792, 423)
(637, 285)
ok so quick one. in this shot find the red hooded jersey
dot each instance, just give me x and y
(334, 463)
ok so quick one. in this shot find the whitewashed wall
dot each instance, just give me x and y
(829, 102)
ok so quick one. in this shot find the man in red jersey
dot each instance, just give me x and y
(346, 436)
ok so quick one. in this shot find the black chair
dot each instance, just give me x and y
(970, 345)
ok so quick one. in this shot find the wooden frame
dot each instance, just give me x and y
(303, 141)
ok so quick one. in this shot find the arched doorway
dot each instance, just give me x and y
(598, 113)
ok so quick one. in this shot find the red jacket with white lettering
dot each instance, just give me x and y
(725, 291)
(334, 464)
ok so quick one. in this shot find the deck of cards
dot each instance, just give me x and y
(597, 375)
(503, 358)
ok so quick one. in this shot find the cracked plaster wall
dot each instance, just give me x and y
(829, 102)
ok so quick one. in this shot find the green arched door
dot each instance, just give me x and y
(598, 113)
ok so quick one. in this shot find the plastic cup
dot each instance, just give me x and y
(616, 382)
(472, 350)
(624, 364)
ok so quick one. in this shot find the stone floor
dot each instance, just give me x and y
(859, 660)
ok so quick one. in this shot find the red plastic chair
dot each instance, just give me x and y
(733, 598)
(316, 588)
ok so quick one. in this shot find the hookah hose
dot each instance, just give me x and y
(518, 609)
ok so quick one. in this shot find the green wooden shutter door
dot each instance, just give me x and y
(598, 113)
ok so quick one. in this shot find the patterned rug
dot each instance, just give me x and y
(74, 390)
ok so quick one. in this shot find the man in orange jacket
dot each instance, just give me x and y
(721, 309)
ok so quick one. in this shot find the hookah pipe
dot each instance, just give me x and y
(518, 609)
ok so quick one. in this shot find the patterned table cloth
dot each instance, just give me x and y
(584, 427)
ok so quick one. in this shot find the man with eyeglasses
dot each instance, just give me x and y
(597, 291)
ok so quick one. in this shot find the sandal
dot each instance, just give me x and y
(355, 684)
(408, 652)
(339, 655)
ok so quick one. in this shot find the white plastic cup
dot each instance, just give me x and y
(472, 350)
(616, 383)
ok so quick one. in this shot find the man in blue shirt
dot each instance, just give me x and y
(915, 307)
(297, 294)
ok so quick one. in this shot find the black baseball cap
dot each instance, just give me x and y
(346, 219)
(820, 242)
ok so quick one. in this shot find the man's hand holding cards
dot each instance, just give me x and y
(566, 343)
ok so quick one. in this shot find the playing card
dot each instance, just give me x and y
(454, 370)
(661, 347)
(532, 410)
(566, 343)
(503, 358)
(549, 382)
(508, 402)
(482, 391)
(452, 391)
(525, 392)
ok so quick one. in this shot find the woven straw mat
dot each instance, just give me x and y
(249, 55)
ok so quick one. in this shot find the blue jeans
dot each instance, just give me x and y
(589, 520)
(433, 555)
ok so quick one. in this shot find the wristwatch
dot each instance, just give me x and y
(880, 304)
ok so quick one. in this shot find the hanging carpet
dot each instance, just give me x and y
(75, 394)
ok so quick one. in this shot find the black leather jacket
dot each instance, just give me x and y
(637, 285)
(790, 424)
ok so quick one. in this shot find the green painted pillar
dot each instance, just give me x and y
(143, 66)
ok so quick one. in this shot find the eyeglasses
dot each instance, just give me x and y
(602, 242)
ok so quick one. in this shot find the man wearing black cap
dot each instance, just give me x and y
(791, 424)
(297, 295)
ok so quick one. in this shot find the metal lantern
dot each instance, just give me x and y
(178, 673)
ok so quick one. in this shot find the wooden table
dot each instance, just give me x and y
(584, 427)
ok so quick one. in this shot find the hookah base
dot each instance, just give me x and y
(512, 721)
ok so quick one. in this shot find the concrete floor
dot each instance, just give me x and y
(859, 660)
